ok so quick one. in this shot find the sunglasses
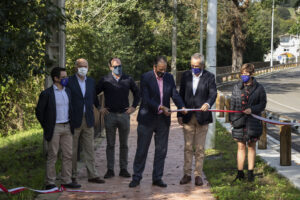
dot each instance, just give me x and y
(117, 66)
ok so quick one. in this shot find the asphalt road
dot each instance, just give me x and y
(283, 91)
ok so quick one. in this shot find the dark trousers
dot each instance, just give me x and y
(114, 121)
(145, 132)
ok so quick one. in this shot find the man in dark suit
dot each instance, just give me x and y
(116, 86)
(157, 87)
(83, 99)
(198, 90)
(54, 111)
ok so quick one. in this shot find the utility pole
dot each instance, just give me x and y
(211, 60)
(174, 40)
(201, 27)
(56, 48)
(272, 33)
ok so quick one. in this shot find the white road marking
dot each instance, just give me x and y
(292, 108)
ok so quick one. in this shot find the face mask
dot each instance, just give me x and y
(64, 81)
(245, 78)
(196, 70)
(160, 74)
(82, 71)
(118, 70)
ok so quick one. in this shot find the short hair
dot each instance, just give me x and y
(198, 56)
(109, 62)
(160, 59)
(55, 72)
(248, 67)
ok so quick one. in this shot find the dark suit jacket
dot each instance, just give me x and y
(46, 111)
(151, 97)
(206, 93)
(78, 101)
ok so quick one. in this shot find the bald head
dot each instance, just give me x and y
(81, 62)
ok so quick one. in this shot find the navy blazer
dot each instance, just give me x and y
(206, 93)
(46, 111)
(151, 97)
(78, 100)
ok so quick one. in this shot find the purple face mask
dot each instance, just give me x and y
(245, 78)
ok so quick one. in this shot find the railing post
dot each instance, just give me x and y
(227, 105)
(262, 143)
(285, 145)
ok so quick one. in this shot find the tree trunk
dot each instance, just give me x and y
(237, 43)
(174, 40)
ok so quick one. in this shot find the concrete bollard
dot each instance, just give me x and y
(285, 145)
(262, 143)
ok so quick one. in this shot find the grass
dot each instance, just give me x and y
(22, 162)
(220, 169)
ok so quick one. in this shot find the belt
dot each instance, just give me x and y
(63, 123)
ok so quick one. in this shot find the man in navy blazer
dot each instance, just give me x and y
(54, 112)
(198, 90)
(83, 100)
(157, 87)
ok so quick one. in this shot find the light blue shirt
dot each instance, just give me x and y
(82, 84)
(62, 105)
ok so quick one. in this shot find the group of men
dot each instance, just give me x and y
(65, 112)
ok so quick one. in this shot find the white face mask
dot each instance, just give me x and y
(82, 71)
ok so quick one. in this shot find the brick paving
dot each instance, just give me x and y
(117, 187)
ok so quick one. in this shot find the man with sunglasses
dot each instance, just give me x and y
(116, 86)
(198, 90)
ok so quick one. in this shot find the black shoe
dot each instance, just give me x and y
(71, 185)
(250, 176)
(240, 176)
(159, 183)
(134, 183)
(96, 180)
(124, 173)
(110, 173)
(50, 186)
(74, 180)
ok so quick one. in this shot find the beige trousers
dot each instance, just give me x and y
(62, 138)
(86, 135)
(194, 142)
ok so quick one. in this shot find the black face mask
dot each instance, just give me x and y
(160, 74)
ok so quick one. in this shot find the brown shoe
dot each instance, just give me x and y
(198, 181)
(185, 179)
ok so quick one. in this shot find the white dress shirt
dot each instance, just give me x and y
(62, 105)
(82, 84)
(196, 80)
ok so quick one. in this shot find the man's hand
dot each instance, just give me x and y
(184, 112)
(130, 110)
(165, 110)
(103, 111)
(247, 111)
(180, 122)
(204, 107)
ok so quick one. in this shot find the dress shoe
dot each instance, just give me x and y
(198, 181)
(110, 173)
(74, 180)
(185, 179)
(124, 173)
(50, 186)
(159, 183)
(71, 185)
(134, 183)
(96, 180)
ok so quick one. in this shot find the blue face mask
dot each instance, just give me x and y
(64, 81)
(245, 78)
(196, 70)
(118, 70)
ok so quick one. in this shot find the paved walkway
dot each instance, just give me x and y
(117, 187)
